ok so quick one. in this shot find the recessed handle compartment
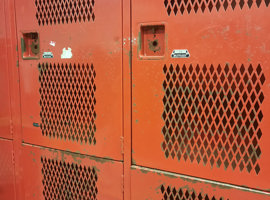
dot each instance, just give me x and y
(152, 41)
(30, 46)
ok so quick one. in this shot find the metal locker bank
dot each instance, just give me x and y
(135, 99)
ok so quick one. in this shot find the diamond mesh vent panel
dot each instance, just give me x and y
(212, 115)
(171, 193)
(67, 100)
(194, 6)
(50, 12)
(62, 180)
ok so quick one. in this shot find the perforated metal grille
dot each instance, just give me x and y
(171, 193)
(50, 12)
(62, 180)
(212, 115)
(195, 6)
(67, 100)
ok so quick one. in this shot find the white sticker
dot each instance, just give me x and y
(52, 43)
(180, 53)
(66, 54)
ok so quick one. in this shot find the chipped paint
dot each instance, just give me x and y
(226, 29)
(144, 171)
(102, 160)
(32, 153)
(133, 161)
(194, 180)
(77, 157)
(52, 43)
(238, 31)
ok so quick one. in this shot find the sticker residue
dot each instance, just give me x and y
(52, 43)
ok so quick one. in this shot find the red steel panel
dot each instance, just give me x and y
(72, 103)
(6, 170)
(206, 115)
(5, 115)
(151, 184)
(53, 174)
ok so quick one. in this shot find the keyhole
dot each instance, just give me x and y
(155, 43)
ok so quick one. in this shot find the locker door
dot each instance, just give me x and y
(54, 174)
(200, 89)
(70, 64)
(70, 70)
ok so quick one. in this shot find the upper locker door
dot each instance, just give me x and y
(200, 89)
(70, 72)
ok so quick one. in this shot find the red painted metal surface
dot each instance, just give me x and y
(7, 190)
(127, 58)
(101, 110)
(73, 104)
(206, 115)
(151, 184)
(5, 115)
(52, 174)
(9, 75)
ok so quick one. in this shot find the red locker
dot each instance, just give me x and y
(53, 174)
(70, 71)
(132, 99)
(201, 107)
